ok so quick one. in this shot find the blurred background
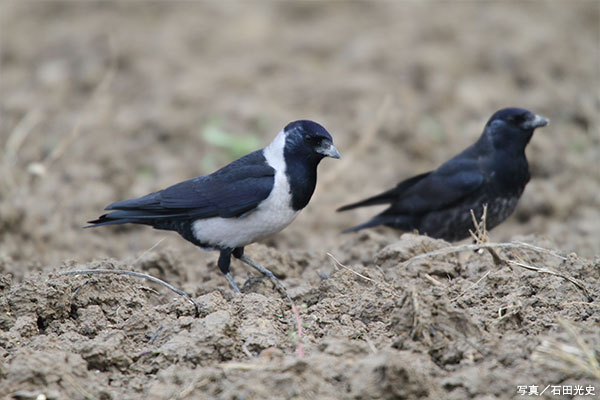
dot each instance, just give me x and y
(104, 101)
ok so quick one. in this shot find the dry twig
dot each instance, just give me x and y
(350, 155)
(432, 279)
(472, 286)
(15, 141)
(578, 358)
(244, 366)
(149, 250)
(416, 322)
(197, 383)
(137, 275)
(480, 235)
(577, 284)
(100, 88)
(475, 247)
(512, 245)
(382, 285)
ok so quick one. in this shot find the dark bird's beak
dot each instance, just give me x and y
(328, 150)
(536, 122)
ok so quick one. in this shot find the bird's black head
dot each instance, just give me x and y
(308, 140)
(513, 127)
(306, 144)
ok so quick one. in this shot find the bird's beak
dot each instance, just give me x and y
(328, 150)
(536, 122)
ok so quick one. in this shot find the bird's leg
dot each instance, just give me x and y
(224, 263)
(239, 254)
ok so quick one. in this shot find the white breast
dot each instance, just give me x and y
(270, 217)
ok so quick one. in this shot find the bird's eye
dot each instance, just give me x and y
(519, 118)
(311, 139)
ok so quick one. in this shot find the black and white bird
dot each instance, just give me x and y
(246, 201)
(492, 172)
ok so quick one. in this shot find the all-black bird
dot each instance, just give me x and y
(245, 201)
(493, 171)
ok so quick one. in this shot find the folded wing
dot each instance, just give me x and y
(229, 192)
(440, 189)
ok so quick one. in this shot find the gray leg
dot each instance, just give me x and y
(232, 283)
(223, 263)
(266, 273)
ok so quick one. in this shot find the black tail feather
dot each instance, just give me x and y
(388, 196)
(383, 198)
(107, 220)
(375, 221)
(131, 217)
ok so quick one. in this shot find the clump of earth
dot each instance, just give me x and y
(106, 101)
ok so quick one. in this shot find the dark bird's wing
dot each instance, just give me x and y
(232, 191)
(440, 189)
(388, 196)
(431, 191)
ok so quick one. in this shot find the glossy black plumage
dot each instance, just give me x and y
(229, 192)
(493, 171)
(245, 201)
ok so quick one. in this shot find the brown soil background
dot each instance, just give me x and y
(103, 101)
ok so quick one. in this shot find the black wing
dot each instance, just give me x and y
(230, 192)
(431, 190)
(423, 193)
(440, 189)
(388, 196)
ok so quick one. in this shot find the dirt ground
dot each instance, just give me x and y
(102, 101)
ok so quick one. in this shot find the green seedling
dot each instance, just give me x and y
(235, 144)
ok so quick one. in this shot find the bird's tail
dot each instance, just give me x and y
(123, 217)
(388, 196)
(382, 198)
(375, 221)
(144, 210)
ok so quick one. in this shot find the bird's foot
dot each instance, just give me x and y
(268, 274)
(232, 283)
(251, 281)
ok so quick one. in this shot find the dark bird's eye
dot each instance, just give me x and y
(519, 118)
(311, 140)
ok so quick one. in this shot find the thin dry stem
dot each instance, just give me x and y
(13, 144)
(591, 359)
(499, 261)
(432, 279)
(137, 275)
(371, 344)
(480, 235)
(381, 285)
(67, 140)
(583, 303)
(243, 366)
(198, 383)
(576, 283)
(578, 358)
(20, 133)
(475, 247)
(540, 250)
(246, 351)
(360, 145)
(416, 323)
(472, 286)
(149, 250)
